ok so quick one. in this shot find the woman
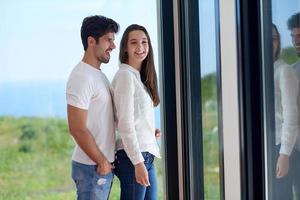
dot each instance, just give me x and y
(286, 118)
(135, 94)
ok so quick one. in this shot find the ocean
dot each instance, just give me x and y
(38, 99)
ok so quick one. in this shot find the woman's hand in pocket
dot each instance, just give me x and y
(157, 133)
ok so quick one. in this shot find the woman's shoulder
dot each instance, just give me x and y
(281, 63)
(123, 72)
(126, 71)
(286, 70)
(123, 75)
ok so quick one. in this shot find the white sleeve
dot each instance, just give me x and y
(123, 94)
(79, 92)
(289, 87)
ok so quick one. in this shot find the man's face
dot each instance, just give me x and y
(296, 39)
(104, 47)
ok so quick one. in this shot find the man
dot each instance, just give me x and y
(294, 26)
(90, 111)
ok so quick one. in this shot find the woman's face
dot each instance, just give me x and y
(275, 39)
(137, 46)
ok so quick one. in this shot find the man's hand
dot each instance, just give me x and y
(104, 167)
(282, 167)
(77, 119)
(141, 174)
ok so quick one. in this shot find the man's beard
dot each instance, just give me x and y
(104, 60)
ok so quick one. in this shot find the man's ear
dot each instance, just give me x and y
(91, 41)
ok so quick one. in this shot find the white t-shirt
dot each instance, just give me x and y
(135, 115)
(89, 89)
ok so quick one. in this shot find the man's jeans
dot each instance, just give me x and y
(90, 185)
(130, 189)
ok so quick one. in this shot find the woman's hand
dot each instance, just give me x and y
(282, 167)
(157, 133)
(141, 174)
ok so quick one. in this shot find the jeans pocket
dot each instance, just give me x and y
(148, 157)
(103, 180)
(102, 186)
(82, 178)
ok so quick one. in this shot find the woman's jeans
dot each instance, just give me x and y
(130, 189)
(284, 186)
(90, 185)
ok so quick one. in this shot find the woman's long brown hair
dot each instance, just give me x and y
(148, 73)
(277, 53)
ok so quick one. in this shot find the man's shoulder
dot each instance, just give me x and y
(83, 73)
(80, 78)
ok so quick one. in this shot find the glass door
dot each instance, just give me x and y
(281, 66)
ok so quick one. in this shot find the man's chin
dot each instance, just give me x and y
(104, 60)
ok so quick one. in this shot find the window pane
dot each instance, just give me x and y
(40, 44)
(283, 141)
(209, 88)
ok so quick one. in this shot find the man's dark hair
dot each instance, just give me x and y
(294, 21)
(97, 26)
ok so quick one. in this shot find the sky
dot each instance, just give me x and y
(207, 36)
(40, 44)
(281, 11)
(40, 39)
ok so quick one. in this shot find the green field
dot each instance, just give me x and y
(35, 155)
(35, 160)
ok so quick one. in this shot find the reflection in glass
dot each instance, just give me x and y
(209, 90)
(286, 121)
(40, 44)
(284, 179)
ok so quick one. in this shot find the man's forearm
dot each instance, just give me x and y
(87, 143)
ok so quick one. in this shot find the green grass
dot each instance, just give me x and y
(211, 156)
(289, 55)
(210, 137)
(35, 161)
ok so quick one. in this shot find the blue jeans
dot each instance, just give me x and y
(130, 189)
(284, 186)
(295, 173)
(90, 185)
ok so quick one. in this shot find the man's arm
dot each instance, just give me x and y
(77, 119)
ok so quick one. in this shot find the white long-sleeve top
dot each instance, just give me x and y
(286, 106)
(296, 67)
(134, 112)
